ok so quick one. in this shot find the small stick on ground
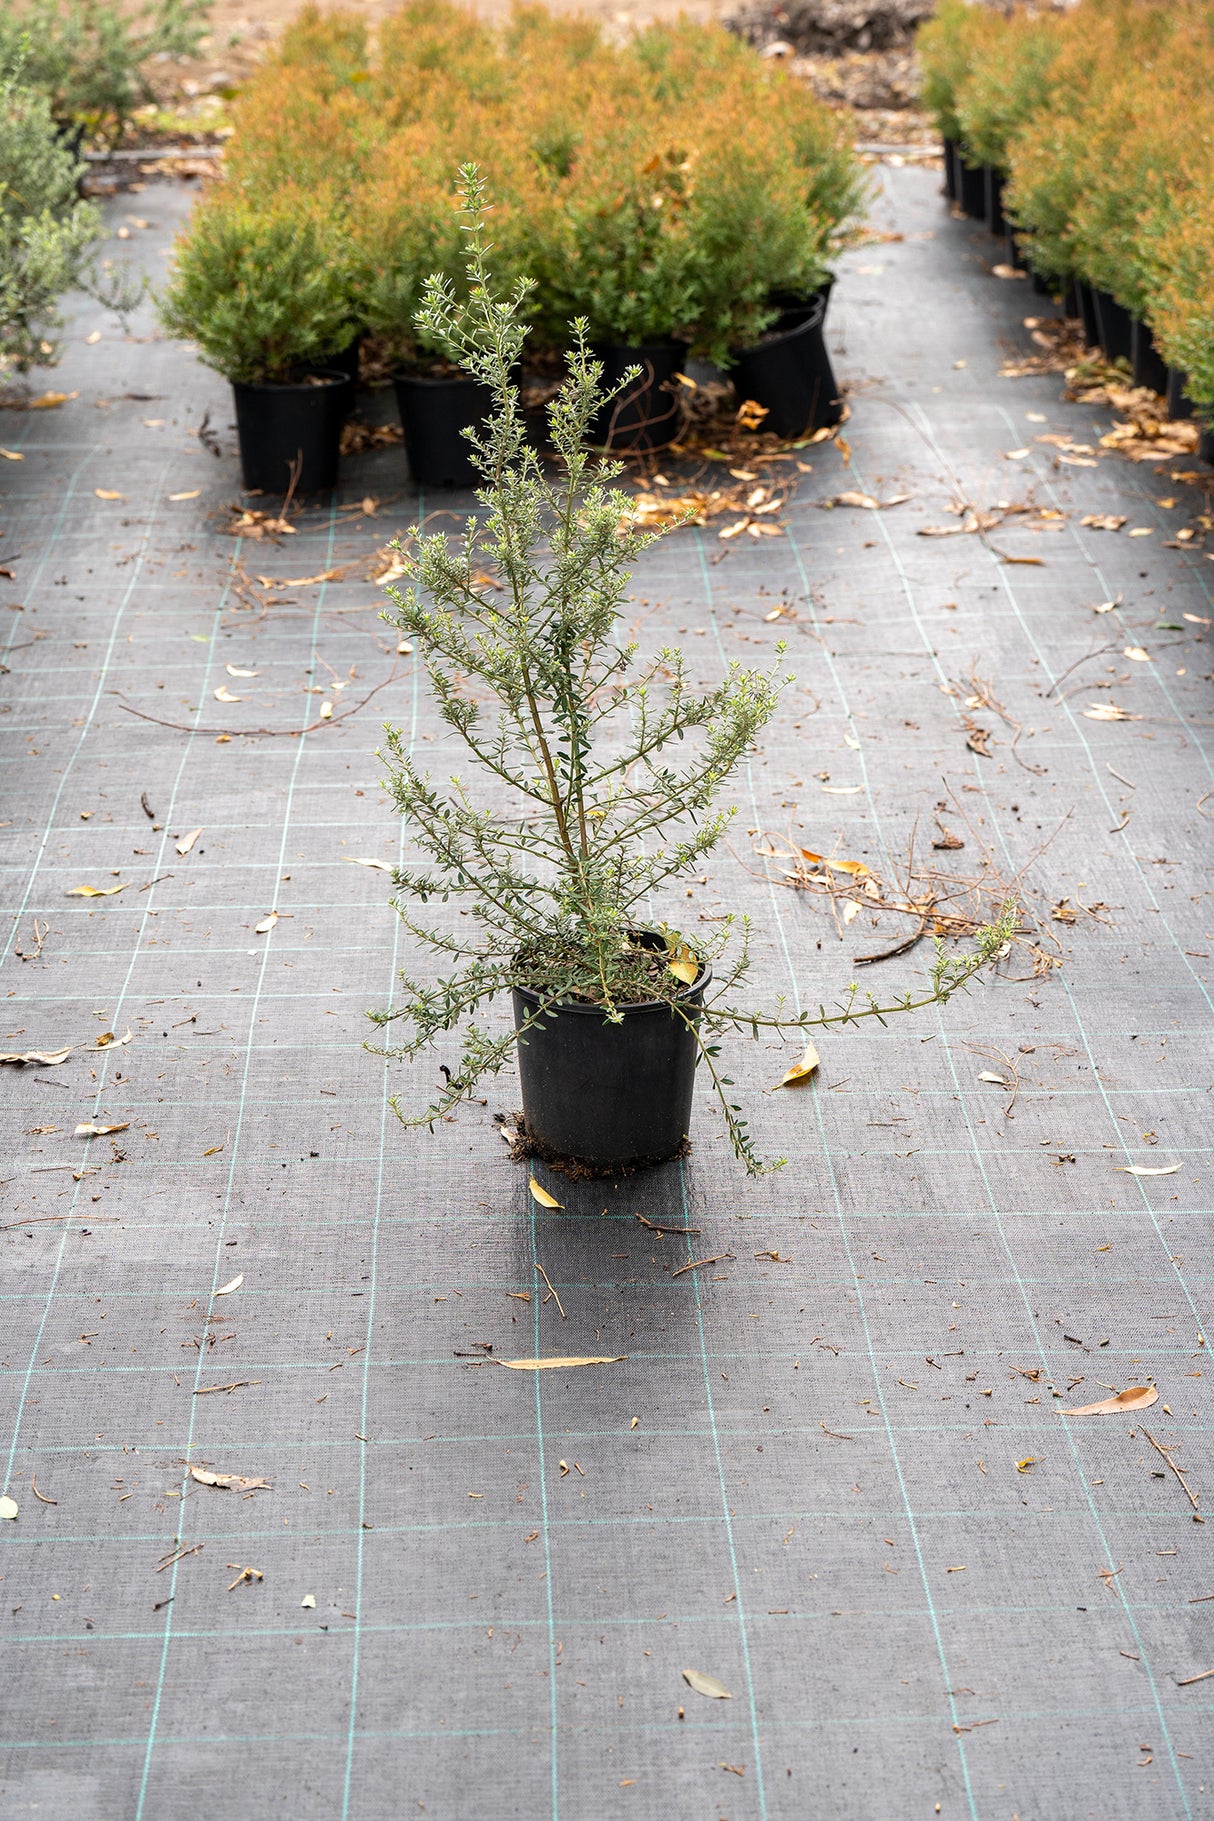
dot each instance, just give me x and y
(552, 1287)
(1175, 1469)
(1198, 1678)
(236, 1384)
(655, 1228)
(40, 1495)
(697, 1262)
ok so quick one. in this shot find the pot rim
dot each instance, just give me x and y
(699, 985)
(329, 376)
(402, 377)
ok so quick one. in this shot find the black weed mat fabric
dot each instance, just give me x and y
(831, 1469)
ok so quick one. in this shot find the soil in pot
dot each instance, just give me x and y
(971, 188)
(602, 1098)
(995, 220)
(789, 373)
(290, 433)
(435, 410)
(649, 414)
(1180, 405)
(1150, 368)
(1115, 325)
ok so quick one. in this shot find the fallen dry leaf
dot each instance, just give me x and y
(1134, 1397)
(94, 891)
(864, 500)
(229, 1482)
(842, 790)
(45, 1058)
(224, 694)
(706, 1685)
(107, 493)
(227, 1289)
(1137, 653)
(234, 672)
(89, 1130)
(1002, 271)
(1016, 455)
(1027, 1464)
(1142, 531)
(1103, 521)
(12, 455)
(108, 1041)
(266, 925)
(8, 1507)
(187, 841)
(379, 866)
(800, 1071)
(50, 401)
(301, 581)
(1108, 711)
(1145, 1169)
(542, 1196)
(989, 1075)
(309, 1600)
(191, 495)
(541, 1365)
(855, 869)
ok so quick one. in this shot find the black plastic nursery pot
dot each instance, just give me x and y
(1150, 368)
(1087, 312)
(648, 415)
(995, 219)
(290, 434)
(971, 187)
(1205, 446)
(434, 413)
(950, 169)
(609, 1097)
(1115, 326)
(789, 373)
(1180, 405)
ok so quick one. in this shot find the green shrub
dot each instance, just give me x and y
(47, 236)
(90, 57)
(263, 288)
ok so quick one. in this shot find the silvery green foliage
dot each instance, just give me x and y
(611, 765)
(47, 236)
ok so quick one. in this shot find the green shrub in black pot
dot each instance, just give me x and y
(264, 291)
(595, 787)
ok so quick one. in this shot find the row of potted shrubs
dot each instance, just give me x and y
(677, 192)
(1088, 136)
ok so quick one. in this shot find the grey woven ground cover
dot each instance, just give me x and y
(830, 1470)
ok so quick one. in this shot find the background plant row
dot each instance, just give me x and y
(1102, 120)
(669, 186)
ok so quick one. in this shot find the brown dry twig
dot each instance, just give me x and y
(1192, 1496)
(253, 733)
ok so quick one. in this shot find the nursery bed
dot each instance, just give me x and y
(829, 1470)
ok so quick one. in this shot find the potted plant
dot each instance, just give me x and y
(47, 237)
(405, 224)
(264, 290)
(584, 814)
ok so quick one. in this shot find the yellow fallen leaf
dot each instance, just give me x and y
(1134, 1397)
(1146, 1169)
(850, 909)
(1108, 711)
(191, 495)
(227, 1289)
(1026, 1465)
(309, 1600)
(266, 925)
(326, 711)
(94, 891)
(46, 1058)
(48, 401)
(863, 500)
(234, 672)
(541, 1365)
(685, 967)
(800, 1071)
(8, 1507)
(12, 455)
(107, 493)
(108, 1041)
(842, 790)
(542, 1196)
(187, 841)
(855, 869)
(94, 338)
(1135, 651)
(89, 1130)
(380, 866)
(706, 1685)
(1016, 455)
(1142, 531)
(224, 694)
